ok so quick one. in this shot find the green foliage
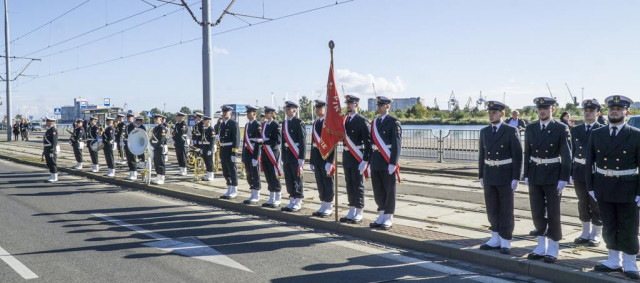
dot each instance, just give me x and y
(305, 109)
(185, 110)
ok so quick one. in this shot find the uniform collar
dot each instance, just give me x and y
(382, 117)
(545, 124)
(497, 125)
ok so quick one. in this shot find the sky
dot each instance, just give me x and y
(506, 49)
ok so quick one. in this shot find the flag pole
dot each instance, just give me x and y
(335, 152)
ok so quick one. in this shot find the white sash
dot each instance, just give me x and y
(247, 143)
(289, 140)
(270, 154)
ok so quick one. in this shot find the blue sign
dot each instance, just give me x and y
(107, 102)
(57, 111)
(30, 117)
(83, 105)
(241, 108)
(149, 114)
(130, 112)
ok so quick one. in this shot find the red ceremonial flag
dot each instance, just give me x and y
(333, 128)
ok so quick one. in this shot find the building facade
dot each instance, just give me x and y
(397, 104)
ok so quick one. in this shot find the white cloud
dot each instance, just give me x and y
(361, 84)
(219, 51)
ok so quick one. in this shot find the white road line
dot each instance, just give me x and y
(14, 263)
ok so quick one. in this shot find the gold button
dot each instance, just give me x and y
(617, 167)
(551, 144)
(617, 159)
(598, 150)
(605, 167)
(546, 151)
(580, 147)
(580, 154)
(624, 151)
(536, 150)
(605, 159)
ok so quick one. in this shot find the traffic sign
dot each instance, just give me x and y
(130, 112)
(57, 111)
(107, 102)
(149, 114)
(83, 105)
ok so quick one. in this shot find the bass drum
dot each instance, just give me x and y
(138, 141)
(96, 146)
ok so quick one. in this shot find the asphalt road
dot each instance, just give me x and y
(79, 230)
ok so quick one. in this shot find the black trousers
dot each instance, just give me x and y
(142, 158)
(499, 203)
(158, 161)
(52, 164)
(181, 155)
(325, 184)
(253, 175)
(270, 175)
(208, 160)
(545, 199)
(384, 190)
(131, 158)
(77, 153)
(94, 157)
(355, 187)
(620, 226)
(15, 137)
(588, 210)
(108, 155)
(120, 149)
(293, 180)
(229, 167)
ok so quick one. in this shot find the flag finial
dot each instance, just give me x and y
(331, 44)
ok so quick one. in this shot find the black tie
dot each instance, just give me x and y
(613, 132)
(495, 129)
(544, 127)
(379, 120)
(348, 119)
(588, 128)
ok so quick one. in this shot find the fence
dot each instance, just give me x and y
(437, 145)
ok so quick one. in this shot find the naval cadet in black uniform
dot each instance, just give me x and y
(108, 138)
(270, 157)
(179, 136)
(293, 153)
(321, 167)
(613, 152)
(547, 167)
(386, 135)
(92, 137)
(142, 160)
(131, 158)
(77, 143)
(499, 165)
(207, 146)
(196, 132)
(120, 130)
(158, 143)
(251, 154)
(355, 158)
(51, 149)
(229, 134)
(588, 211)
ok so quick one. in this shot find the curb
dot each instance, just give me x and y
(536, 269)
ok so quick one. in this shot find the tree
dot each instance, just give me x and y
(185, 110)
(418, 111)
(305, 108)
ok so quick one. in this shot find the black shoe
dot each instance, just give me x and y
(285, 209)
(293, 209)
(225, 197)
(486, 247)
(534, 256)
(374, 225)
(345, 220)
(505, 251)
(354, 221)
(533, 232)
(604, 268)
(273, 205)
(632, 275)
(580, 241)
(385, 227)
(316, 214)
(594, 243)
(266, 205)
(322, 215)
(249, 202)
(550, 259)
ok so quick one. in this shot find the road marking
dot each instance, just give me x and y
(14, 263)
(186, 246)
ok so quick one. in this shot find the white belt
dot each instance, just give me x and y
(226, 143)
(616, 173)
(545, 160)
(498, 162)
(287, 144)
(205, 142)
(580, 161)
(375, 147)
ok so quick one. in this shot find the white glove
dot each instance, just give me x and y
(571, 180)
(121, 143)
(392, 169)
(327, 167)
(99, 140)
(300, 162)
(481, 182)
(313, 168)
(561, 185)
(217, 137)
(209, 152)
(362, 166)
(259, 140)
(526, 181)
(638, 201)
(593, 195)
(514, 185)
(254, 162)
(51, 155)
(300, 166)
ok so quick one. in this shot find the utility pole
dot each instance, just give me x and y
(8, 81)
(207, 60)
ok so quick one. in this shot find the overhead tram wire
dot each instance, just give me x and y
(183, 42)
(96, 29)
(49, 22)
